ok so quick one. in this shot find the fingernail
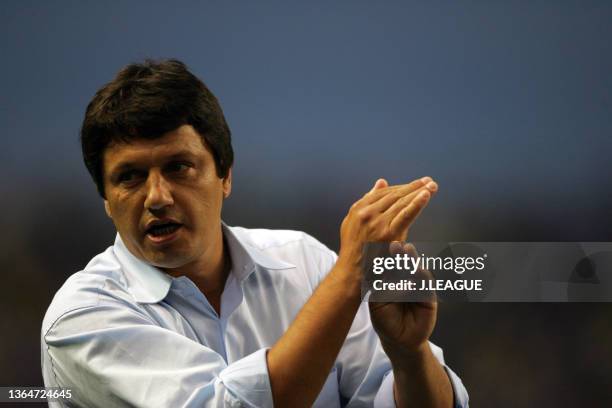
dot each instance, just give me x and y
(432, 186)
(426, 179)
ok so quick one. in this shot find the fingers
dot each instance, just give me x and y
(409, 249)
(399, 204)
(402, 217)
(384, 213)
(379, 184)
(399, 247)
(381, 190)
(397, 200)
(426, 298)
(396, 247)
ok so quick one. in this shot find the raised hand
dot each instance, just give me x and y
(404, 326)
(385, 213)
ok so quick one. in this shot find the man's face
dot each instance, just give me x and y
(165, 197)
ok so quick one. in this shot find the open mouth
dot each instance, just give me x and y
(163, 230)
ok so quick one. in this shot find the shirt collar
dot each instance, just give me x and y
(246, 256)
(148, 284)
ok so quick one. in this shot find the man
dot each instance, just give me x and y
(184, 310)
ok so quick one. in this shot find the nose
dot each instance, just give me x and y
(159, 194)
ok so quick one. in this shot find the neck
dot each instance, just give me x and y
(210, 272)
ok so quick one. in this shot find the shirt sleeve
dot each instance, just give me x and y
(114, 356)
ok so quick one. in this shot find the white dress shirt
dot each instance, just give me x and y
(123, 333)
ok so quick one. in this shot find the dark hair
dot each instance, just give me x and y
(148, 100)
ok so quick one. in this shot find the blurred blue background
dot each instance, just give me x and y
(507, 104)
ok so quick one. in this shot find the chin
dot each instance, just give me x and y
(167, 261)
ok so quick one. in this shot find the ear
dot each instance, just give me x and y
(227, 183)
(107, 209)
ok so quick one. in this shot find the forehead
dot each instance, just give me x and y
(181, 141)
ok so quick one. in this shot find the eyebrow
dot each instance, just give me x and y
(121, 168)
(129, 165)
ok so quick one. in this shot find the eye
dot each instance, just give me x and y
(130, 176)
(178, 167)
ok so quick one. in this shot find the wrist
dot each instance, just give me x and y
(407, 358)
(347, 274)
(351, 255)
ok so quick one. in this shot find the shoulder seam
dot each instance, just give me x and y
(74, 309)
